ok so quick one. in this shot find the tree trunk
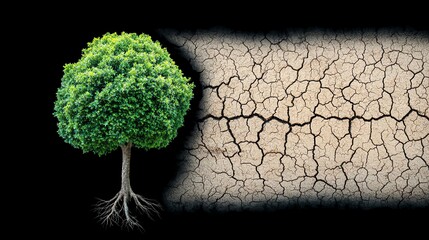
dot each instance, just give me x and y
(125, 183)
(126, 159)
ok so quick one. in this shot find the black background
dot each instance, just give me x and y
(57, 185)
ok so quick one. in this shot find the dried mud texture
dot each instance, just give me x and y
(306, 119)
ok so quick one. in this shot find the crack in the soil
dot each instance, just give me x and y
(306, 118)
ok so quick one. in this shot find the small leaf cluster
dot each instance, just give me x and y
(125, 88)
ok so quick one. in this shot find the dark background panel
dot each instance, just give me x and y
(60, 184)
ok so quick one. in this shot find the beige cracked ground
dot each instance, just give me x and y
(306, 119)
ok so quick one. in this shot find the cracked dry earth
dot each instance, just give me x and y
(306, 119)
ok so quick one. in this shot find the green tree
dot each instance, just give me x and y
(124, 91)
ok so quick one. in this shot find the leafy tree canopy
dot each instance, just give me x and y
(125, 88)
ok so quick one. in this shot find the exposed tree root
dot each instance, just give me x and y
(116, 211)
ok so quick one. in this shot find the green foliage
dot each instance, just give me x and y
(125, 88)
